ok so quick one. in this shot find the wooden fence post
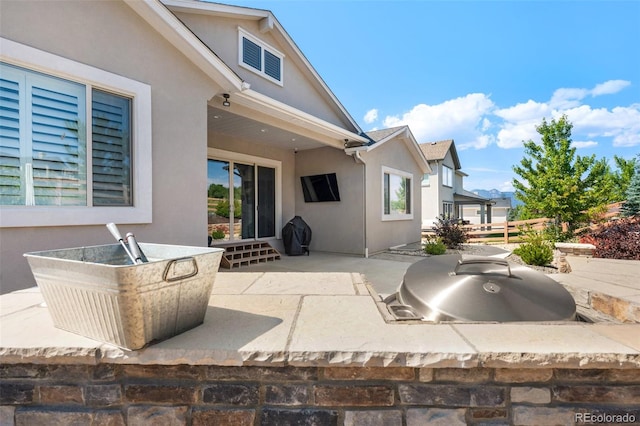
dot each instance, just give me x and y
(506, 232)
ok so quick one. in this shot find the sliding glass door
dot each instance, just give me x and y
(241, 200)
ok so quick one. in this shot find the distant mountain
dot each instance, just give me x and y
(494, 193)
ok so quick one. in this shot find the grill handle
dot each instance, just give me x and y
(485, 261)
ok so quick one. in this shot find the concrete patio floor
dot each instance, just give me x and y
(384, 271)
(282, 313)
(610, 286)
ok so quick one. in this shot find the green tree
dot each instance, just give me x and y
(555, 182)
(622, 177)
(218, 191)
(631, 207)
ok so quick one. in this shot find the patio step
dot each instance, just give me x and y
(247, 253)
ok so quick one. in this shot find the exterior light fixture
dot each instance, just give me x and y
(226, 100)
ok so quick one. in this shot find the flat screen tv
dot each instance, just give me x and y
(320, 188)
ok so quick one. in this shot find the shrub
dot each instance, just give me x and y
(218, 233)
(435, 246)
(619, 239)
(223, 208)
(553, 233)
(453, 235)
(536, 250)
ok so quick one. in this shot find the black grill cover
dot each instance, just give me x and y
(296, 236)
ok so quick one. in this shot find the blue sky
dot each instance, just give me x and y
(483, 73)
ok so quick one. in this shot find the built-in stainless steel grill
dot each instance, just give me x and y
(474, 288)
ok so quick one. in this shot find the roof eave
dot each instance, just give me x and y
(326, 132)
(176, 33)
(190, 6)
(412, 146)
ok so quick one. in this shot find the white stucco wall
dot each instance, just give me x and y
(337, 226)
(101, 34)
(298, 89)
(382, 234)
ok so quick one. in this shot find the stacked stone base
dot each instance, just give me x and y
(110, 394)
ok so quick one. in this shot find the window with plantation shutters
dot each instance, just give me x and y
(260, 58)
(111, 149)
(11, 134)
(44, 158)
(68, 135)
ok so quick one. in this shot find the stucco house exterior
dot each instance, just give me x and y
(443, 192)
(129, 111)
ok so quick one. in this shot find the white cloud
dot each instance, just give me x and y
(506, 186)
(371, 116)
(481, 141)
(474, 121)
(622, 124)
(461, 119)
(609, 87)
(527, 111)
(567, 98)
(583, 144)
(512, 135)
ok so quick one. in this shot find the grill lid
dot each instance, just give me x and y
(448, 287)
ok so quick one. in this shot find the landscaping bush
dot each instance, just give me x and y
(218, 233)
(619, 239)
(223, 208)
(435, 246)
(536, 250)
(452, 234)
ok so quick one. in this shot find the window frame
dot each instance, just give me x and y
(448, 205)
(406, 175)
(236, 157)
(447, 172)
(37, 60)
(263, 47)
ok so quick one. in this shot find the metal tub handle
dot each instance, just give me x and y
(484, 261)
(183, 272)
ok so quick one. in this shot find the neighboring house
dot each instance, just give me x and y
(128, 111)
(500, 208)
(443, 193)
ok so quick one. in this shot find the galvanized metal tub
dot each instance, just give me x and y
(96, 291)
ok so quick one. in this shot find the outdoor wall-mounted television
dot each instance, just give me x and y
(320, 188)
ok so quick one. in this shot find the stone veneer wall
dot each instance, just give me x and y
(112, 394)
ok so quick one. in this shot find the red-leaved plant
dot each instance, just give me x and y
(619, 239)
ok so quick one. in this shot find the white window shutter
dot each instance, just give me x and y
(10, 129)
(58, 138)
(111, 149)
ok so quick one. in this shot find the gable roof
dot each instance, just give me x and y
(158, 14)
(172, 29)
(382, 134)
(437, 151)
(268, 23)
(403, 133)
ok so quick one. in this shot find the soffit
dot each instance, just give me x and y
(222, 121)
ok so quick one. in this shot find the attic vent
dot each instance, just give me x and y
(251, 54)
(271, 65)
(260, 58)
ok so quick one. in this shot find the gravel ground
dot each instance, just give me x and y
(480, 250)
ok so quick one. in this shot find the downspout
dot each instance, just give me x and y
(358, 159)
